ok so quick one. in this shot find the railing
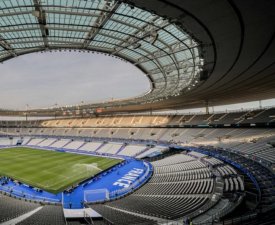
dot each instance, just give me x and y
(20, 194)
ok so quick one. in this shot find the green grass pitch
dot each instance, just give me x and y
(51, 171)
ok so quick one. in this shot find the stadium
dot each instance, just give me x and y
(147, 159)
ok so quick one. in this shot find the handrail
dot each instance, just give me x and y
(26, 196)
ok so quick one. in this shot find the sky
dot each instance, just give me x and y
(42, 80)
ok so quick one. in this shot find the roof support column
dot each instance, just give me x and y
(40, 14)
(108, 10)
(5, 45)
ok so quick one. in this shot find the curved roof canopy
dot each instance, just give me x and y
(167, 55)
(194, 52)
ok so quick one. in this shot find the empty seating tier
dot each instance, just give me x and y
(170, 207)
(48, 215)
(11, 208)
(121, 218)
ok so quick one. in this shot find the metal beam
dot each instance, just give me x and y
(54, 27)
(141, 34)
(40, 14)
(175, 48)
(108, 10)
(171, 66)
(15, 13)
(5, 45)
(87, 14)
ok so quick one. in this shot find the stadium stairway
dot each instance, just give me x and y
(120, 149)
(84, 143)
(99, 147)
(143, 151)
(56, 140)
(28, 141)
(48, 215)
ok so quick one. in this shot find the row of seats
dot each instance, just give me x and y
(179, 167)
(47, 142)
(173, 191)
(11, 208)
(195, 174)
(250, 141)
(226, 170)
(48, 215)
(232, 181)
(264, 177)
(114, 148)
(118, 217)
(233, 184)
(110, 148)
(184, 135)
(132, 150)
(202, 186)
(169, 207)
(178, 158)
(213, 161)
(252, 116)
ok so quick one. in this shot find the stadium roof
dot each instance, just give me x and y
(164, 52)
(193, 52)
